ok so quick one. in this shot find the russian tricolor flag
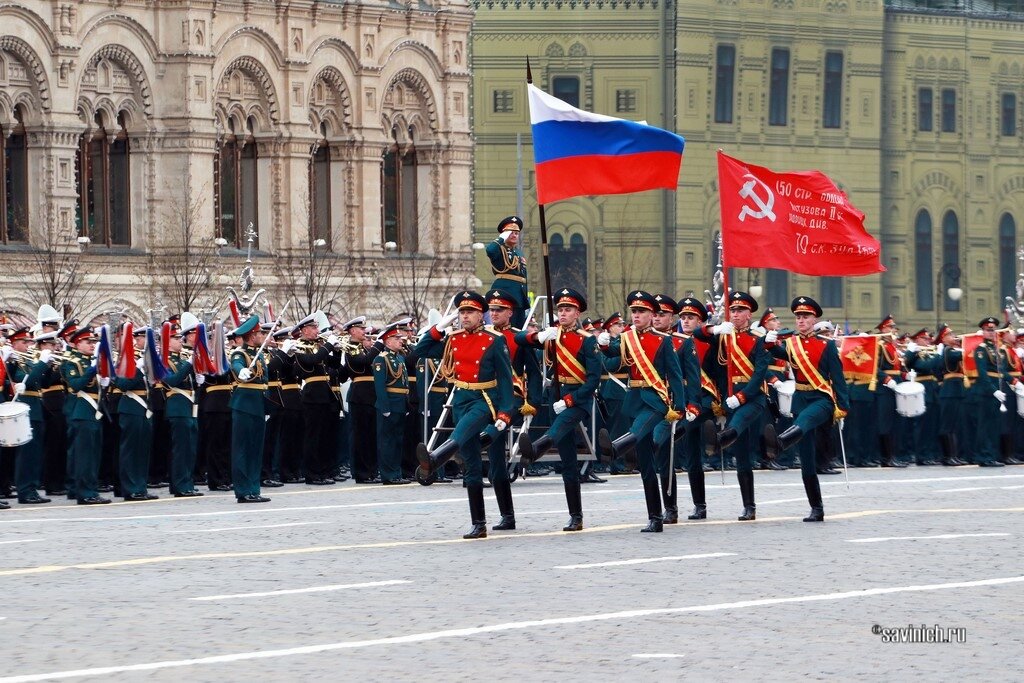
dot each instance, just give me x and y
(581, 153)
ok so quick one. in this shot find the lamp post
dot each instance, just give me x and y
(954, 293)
(755, 289)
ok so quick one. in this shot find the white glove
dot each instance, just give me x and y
(911, 375)
(140, 364)
(104, 381)
(1000, 395)
(891, 384)
(723, 328)
(842, 424)
(771, 336)
(45, 355)
(690, 416)
(386, 414)
(332, 341)
(500, 425)
(1018, 389)
(96, 351)
(912, 347)
(505, 235)
(93, 363)
(289, 347)
(245, 375)
(558, 406)
(940, 349)
(5, 352)
(1020, 352)
(19, 388)
(604, 339)
(445, 322)
(547, 334)
(822, 325)
(200, 380)
(732, 402)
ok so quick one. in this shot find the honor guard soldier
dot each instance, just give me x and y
(247, 412)
(478, 364)
(391, 388)
(85, 434)
(890, 374)
(656, 394)
(576, 365)
(314, 357)
(359, 355)
(989, 395)
(744, 362)
(526, 390)
(612, 390)
(778, 371)
(509, 267)
(821, 397)
(26, 373)
(180, 408)
(136, 425)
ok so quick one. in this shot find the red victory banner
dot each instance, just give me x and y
(970, 342)
(800, 222)
(859, 356)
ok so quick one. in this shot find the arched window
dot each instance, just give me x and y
(776, 284)
(320, 189)
(400, 203)
(14, 166)
(923, 261)
(104, 184)
(1007, 257)
(950, 259)
(236, 185)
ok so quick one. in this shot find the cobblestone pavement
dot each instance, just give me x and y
(375, 583)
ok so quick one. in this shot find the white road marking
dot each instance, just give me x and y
(563, 511)
(240, 528)
(655, 655)
(23, 540)
(643, 560)
(918, 538)
(508, 626)
(793, 500)
(295, 591)
(981, 488)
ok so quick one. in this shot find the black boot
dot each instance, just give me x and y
(946, 446)
(700, 508)
(503, 493)
(653, 497)
(668, 492)
(813, 489)
(429, 463)
(888, 446)
(575, 503)
(954, 445)
(530, 452)
(476, 512)
(608, 449)
(709, 434)
(746, 480)
(776, 443)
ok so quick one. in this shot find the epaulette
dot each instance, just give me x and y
(757, 331)
(583, 333)
(660, 333)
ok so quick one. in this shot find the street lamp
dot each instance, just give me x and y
(755, 289)
(954, 293)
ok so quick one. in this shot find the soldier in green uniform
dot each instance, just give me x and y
(947, 364)
(989, 395)
(509, 267)
(612, 391)
(391, 387)
(180, 409)
(924, 428)
(1011, 419)
(136, 422)
(85, 433)
(27, 376)
(248, 412)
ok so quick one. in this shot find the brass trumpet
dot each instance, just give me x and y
(33, 356)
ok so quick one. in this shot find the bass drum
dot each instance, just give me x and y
(785, 391)
(910, 399)
(15, 427)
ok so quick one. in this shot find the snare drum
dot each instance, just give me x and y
(785, 391)
(910, 399)
(15, 427)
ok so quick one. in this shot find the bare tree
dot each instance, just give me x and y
(415, 283)
(184, 262)
(56, 271)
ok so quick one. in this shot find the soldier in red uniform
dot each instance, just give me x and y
(477, 362)
(656, 394)
(821, 395)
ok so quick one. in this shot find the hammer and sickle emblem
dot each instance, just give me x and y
(764, 205)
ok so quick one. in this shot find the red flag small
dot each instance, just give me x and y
(165, 343)
(800, 222)
(235, 315)
(126, 361)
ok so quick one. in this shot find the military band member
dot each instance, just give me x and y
(576, 365)
(924, 428)
(314, 358)
(287, 446)
(85, 434)
(215, 430)
(744, 362)
(27, 376)
(820, 399)
(948, 364)
(359, 354)
(180, 408)
(989, 395)
(1011, 420)
(249, 366)
(478, 363)
(509, 266)
(890, 374)
(136, 425)
(656, 394)
(391, 388)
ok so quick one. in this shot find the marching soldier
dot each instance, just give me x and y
(359, 355)
(820, 399)
(85, 434)
(778, 371)
(180, 407)
(27, 376)
(136, 425)
(249, 367)
(478, 364)
(576, 367)
(434, 390)
(744, 365)
(890, 374)
(509, 267)
(988, 395)
(656, 394)
(313, 361)
(391, 388)
(613, 387)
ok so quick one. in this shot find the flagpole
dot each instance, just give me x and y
(547, 265)
(725, 291)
